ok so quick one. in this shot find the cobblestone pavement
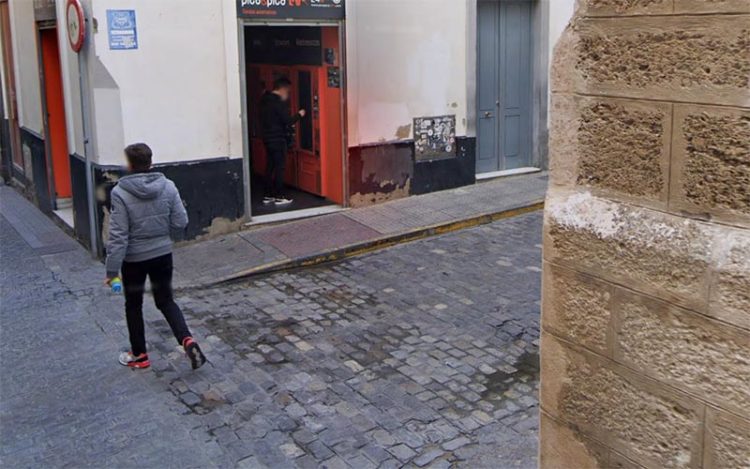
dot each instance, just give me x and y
(423, 355)
(63, 402)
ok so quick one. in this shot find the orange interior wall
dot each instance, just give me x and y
(53, 90)
(332, 164)
(328, 125)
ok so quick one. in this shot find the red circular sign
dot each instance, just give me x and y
(76, 24)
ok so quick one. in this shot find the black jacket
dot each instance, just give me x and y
(275, 119)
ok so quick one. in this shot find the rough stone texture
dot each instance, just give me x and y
(711, 166)
(646, 300)
(565, 449)
(634, 416)
(623, 7)
(730, 291)
(711, 6)
(659, 253)
(618, 461)
(684, 349)
(728, 441)
(577, 308)
(685, 58)
(612, 146)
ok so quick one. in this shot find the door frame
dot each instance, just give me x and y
(246, 144)
(540, 78)
(51, 188)
(9, 71)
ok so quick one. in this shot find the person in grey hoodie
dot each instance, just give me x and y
(146, 212)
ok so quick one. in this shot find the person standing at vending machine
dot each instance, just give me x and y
(275, 121)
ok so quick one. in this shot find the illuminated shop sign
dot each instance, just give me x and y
(299, 9)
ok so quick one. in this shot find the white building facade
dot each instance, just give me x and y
(398, 93)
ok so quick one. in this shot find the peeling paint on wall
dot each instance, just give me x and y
(363, 200)
(380, 173)
(221, 226)
(403, 132)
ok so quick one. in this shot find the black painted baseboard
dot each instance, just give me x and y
(379, 171)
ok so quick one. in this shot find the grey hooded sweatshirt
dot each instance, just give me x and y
(146, 211)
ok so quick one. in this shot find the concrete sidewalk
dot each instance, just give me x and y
(350, 232)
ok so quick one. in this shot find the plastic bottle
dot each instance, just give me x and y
(116, 285)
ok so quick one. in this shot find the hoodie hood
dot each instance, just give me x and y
(270, 96)
(144, 185)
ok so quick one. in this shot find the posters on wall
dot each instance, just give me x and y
(435, 137)
(122, 29)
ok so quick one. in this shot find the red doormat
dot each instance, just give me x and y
(306, 237)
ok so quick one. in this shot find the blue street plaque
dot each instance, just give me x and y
(122, 31)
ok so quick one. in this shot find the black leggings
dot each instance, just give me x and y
(275, 165)
(159, 271)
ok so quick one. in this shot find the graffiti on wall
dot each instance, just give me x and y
(434, 137)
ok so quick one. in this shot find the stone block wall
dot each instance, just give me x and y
(646, 308)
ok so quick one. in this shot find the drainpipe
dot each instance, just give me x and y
(83, 81)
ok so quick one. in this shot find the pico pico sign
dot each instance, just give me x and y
(291, 9)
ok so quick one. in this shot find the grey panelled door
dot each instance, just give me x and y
(504, 85)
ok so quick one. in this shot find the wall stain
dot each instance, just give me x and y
(404, 131)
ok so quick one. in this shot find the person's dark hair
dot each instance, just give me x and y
(139, 156)
(281, 82)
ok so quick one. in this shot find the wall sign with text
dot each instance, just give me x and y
(298, 9)
(122, 31)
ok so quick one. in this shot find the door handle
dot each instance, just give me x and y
(487, 115)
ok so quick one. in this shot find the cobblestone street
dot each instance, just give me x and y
(421, 355)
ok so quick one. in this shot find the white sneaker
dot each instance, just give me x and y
(283, 201)
(131, 361)
(268, 200)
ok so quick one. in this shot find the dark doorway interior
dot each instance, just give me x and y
(302, 200)
(309, 57)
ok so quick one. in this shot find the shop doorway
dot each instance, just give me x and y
(16, 159)
(504, 88)
(310, 58)
(56, 135)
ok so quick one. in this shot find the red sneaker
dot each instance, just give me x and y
(194, 353)
(133, 361)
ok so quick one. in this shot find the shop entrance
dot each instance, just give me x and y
(16, 160)
(309, 57)
(56, 136)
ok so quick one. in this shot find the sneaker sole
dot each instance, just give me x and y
(197, 359)
(135, 365)
(140, 366)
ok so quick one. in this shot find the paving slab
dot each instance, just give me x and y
(316, 235)
(350, 232)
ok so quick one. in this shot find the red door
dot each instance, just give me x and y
(308, 131)
(55, 104)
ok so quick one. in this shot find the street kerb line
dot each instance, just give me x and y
(368, 246)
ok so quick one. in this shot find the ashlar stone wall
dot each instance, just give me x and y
(646, 308)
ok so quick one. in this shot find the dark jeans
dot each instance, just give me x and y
(159, 271)
(275, 165)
